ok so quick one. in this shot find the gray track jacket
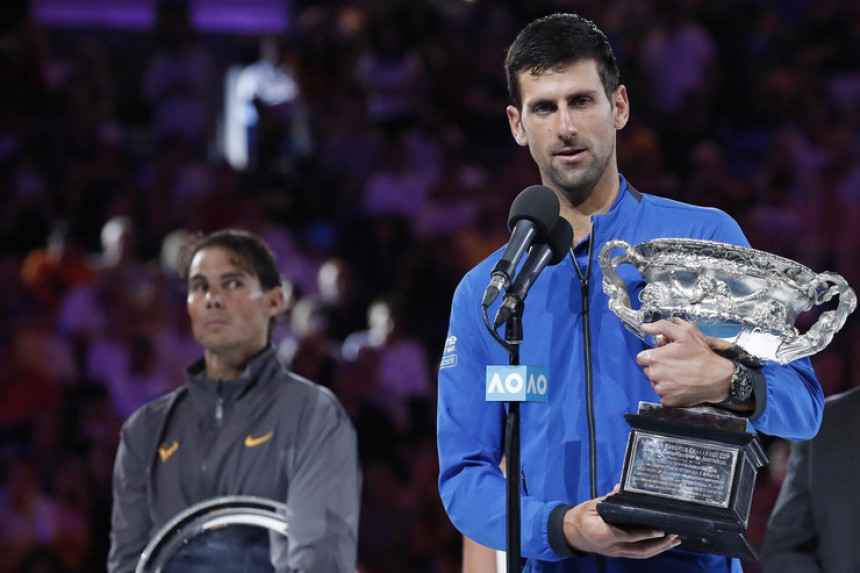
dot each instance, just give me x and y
(269, 433)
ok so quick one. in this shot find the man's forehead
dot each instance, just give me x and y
(218, 260)
(585, 69)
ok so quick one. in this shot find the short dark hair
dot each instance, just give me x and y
(252, 253)
(554, 42)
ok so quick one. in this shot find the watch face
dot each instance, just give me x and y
(742, 384)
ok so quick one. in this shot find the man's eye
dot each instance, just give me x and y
(198, 287)
(581, 101)
(233, 283)
(543, 109)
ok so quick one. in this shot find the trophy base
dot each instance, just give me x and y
(691, 472)
(702, 533)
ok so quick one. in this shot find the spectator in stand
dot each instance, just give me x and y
(840, 179)
(679, 59)
(50, 272)
(395, 189)
(403, 366)
(179, 78)
(29, 518)
(339, 297)
(781, 185)
(126, 363)
(270, 106)
(27, 390)
(89, 310)
(310, 352)
(28, 210)
(711, 184)
(392, 75)
(23, 65)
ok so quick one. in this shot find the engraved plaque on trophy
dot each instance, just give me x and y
(691, 471)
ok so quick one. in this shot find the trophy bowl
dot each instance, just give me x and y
(743, 296)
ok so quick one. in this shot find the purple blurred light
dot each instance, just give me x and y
(216, 16)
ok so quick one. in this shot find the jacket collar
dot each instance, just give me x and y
(205, 390)
(607, 224)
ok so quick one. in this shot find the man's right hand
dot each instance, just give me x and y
(586, 531)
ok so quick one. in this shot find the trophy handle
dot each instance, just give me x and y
(615, 287)
(821, 333)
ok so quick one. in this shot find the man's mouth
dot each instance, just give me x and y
(569, 152)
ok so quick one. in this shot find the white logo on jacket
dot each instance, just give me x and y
(449, 355)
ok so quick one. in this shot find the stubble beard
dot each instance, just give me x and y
(578, 185)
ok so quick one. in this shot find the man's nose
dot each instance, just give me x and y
(213, 298)
(566, 123)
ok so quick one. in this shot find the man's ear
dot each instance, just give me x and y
(276, 300)
(622, 107)
(516, 123)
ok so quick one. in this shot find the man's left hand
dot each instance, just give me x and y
(684, 370)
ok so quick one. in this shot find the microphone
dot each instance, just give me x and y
(533, 214)
(550, 253)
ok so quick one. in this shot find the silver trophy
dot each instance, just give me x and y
(692, 471)
(232, 533)
(743, 296)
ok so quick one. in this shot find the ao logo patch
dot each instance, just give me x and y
(517, 384)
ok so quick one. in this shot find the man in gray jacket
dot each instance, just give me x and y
(240, 425)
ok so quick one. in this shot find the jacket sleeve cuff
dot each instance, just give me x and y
(555, 532)
(760, 393)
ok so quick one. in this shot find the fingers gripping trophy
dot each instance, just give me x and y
(692, 471)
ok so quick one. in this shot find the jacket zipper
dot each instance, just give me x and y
(589, 379)
(219, 416)
(219, 407)
(586, 342)
(589, 388)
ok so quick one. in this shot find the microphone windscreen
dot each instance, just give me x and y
(538, 204)
(560, 240)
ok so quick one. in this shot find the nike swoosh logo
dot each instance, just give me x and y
(251, 442)
(167, 452)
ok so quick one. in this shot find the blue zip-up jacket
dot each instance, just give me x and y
(555, 440)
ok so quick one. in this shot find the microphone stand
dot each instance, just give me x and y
(513, 338)
(511, 343)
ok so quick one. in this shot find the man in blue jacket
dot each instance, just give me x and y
(566, 105)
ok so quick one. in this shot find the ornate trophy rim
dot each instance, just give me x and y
(719, 250)
(716, 284)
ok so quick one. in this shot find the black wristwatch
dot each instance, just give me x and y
(740, 388)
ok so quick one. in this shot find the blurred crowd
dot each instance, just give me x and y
(375, 158)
